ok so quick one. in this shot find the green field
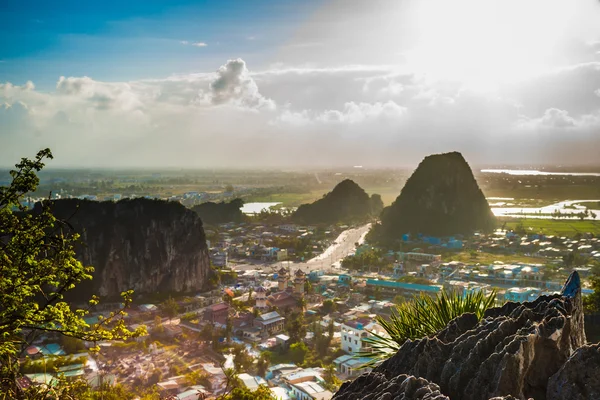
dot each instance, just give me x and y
(288, 199)
(552, 226)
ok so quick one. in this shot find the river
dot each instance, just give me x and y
(534, 172)
(543, 212)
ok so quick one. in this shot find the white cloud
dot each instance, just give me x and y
(235, 85)
(199, 44)
(369, 115)
(184, 42)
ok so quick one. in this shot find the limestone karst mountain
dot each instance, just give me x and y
(346, 203)
(440, 198)
(140, 244)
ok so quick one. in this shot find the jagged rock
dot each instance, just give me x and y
(579, 378)
(144, 245)
(512, 351)
(374, 386)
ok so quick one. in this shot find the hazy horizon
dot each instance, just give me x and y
(312, 84)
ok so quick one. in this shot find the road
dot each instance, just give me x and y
(343, 245)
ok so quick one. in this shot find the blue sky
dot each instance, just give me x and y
(133, 39)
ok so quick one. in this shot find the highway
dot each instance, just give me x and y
(328, 261)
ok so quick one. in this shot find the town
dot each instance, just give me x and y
(293, 304)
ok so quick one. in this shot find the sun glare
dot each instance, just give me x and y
(486, 43)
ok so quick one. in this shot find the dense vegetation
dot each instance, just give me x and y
(219, 213)
(346, 203)
(440, 198)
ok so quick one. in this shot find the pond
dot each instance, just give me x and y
(256, 208)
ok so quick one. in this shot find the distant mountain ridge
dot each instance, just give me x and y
(346, 203)
(440, 198)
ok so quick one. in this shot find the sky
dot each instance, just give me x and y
(311, 83)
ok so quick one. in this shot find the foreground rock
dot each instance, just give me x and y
(519, 350)
(145, 245)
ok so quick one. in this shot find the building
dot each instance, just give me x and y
(251, 382)
(521, 295)
(269, 323)
(349, 366)
(286, 297)
(217, 313)
(299, 281)
(261, 298)
(392, 288)
(310, 391)
(354, 331)
(421, 257)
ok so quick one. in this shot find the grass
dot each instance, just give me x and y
(489, 258)
(553, 227)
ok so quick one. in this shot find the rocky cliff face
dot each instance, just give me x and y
(440, 198)
(146, 245)
(530, 350)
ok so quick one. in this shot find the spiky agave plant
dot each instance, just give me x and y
(423, 316)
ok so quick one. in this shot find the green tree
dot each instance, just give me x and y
(329, 306)
(37, 268)
(295, 327)
(261, 393)
(170, 307)
(332, 382)
(263, 362)
(241, 359)
(298, 352)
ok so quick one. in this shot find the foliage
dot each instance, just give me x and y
(332, 382)
(170, 307)
(241, 359)
(423, 316)
(295, 327)
(367, 258)
(328, 307)
(261, 393)
(263, 362)
(298, 352)
(198, 378)
(38, 266)
(591, 302)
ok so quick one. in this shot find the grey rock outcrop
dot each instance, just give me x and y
(144, 245)
(579, 378)
(513, 351)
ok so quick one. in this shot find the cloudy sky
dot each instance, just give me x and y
(300, 83)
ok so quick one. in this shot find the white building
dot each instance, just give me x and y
(353, 332)
(310, 391)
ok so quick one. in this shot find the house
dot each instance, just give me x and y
(521, 295)
(217, 313)
(354, 331)
(392, 288)
(195, 392)
(310, 391)
(349, 366)
(269, 323)
(251, 382)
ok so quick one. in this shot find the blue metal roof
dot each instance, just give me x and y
(402, 285)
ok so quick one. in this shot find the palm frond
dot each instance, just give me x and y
(423, 316)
